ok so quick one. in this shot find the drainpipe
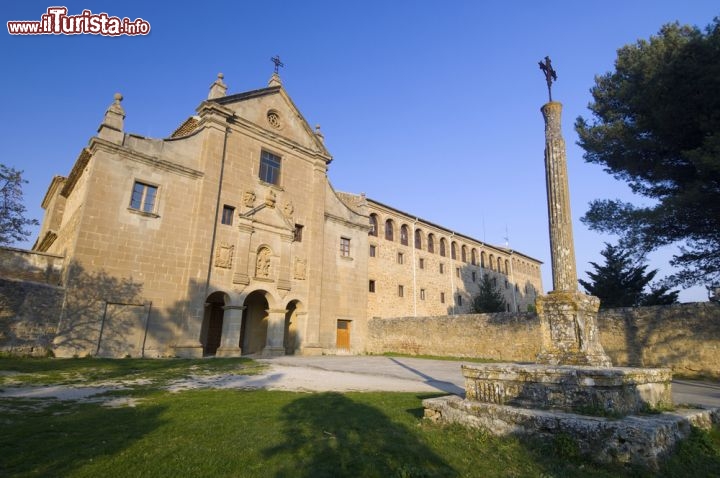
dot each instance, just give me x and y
(217, 212)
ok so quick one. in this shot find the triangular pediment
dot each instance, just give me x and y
(272, 110)
(269, 217)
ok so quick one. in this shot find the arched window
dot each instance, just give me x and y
(463, 254)
(473, 256)
(492, 262)
(373, 225)
(482, 259)
(499, 264)
(431, 243)
(418, 239)
(453, 250)
(443, 246)
(507, 267)
(389, 230)
(404, 235)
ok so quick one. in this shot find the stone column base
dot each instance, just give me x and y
(273, 351)
(568, 329)
(228, 352)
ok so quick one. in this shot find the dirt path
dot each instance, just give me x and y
(342, 374)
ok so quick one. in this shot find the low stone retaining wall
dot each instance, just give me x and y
(683, 337)
(31, 298)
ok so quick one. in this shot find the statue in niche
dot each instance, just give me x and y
(262, 266)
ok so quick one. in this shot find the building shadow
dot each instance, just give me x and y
(330, 435)
(441, 385)
(36, 446)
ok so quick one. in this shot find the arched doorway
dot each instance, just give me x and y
(291, 338)
(254, 323)
(211, 331)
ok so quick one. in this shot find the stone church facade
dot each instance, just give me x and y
(227, 238)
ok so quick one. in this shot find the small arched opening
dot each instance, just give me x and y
(211, 330)
(253, 335)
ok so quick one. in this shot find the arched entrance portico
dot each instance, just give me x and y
(253, 336)
(211, 331)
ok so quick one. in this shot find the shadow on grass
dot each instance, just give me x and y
(60, 438)
(330, 435)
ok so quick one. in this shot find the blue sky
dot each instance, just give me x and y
(431, 107)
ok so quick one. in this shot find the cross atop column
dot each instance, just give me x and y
(550, 74)
(278, 63)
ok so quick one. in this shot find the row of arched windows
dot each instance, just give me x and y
(431, 242)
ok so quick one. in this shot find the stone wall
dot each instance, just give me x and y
(29, 312)
(20, 264)
(684, 337)
(30, 300)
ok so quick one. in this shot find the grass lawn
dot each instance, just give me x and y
(218, 433)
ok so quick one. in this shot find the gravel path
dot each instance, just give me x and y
(342, 374)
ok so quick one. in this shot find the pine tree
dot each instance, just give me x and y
(621, 282)
(656, 127)
(489, 299)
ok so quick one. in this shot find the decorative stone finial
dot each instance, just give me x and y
(112, 125)
(275, 80)
(270, 199)
(218, 89)
(319, 134)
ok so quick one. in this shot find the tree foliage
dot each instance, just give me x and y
(621, 282)
(657, 127)
(489, 299)
(13, 223)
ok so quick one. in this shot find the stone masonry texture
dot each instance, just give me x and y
(682, 337)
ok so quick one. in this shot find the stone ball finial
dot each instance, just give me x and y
(118, 97)
(220, 76)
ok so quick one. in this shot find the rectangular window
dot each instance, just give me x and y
(400, 258)
(457, 271)
(422, 294)
(344, 247)
(459, 300)
(401, 291)
(270, 168)
(143, 197)
(297, 235)
(422, 263)
(473, 276)
(442, 297)
(373, 250)
(371, 286)
(227, 215)
(442, 268)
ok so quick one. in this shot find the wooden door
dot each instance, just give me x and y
(343, 335)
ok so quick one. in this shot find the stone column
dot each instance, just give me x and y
(232, 325)
(562, 249)
(275, 333)
(567, 317)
